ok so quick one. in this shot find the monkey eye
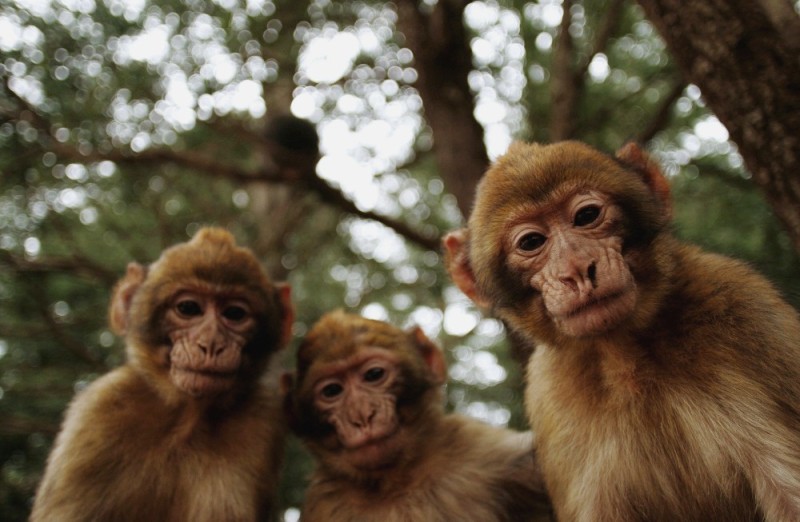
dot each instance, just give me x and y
(189, 308)
(374, 374)
(586, 215)
(531, 241)
(234, 313)
(331, 390)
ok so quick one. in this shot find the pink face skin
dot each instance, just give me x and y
(356, 397)
(573, 256)
(208, 333)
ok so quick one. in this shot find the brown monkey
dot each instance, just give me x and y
(665, 381)
(367, 401)
(185, 430)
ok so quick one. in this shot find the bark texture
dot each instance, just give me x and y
(743, 55)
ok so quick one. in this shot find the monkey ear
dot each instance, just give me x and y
(456, 260)
(633, 155)
(122, 296)
(431, 354)
(285, 298)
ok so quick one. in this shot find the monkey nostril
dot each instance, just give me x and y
(592, 273)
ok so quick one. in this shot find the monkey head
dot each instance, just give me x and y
(363, 391)
(557, 242)
(205, 315)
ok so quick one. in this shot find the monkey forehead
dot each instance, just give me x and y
(530, 177)
(331, 366)
(212, 256)
(251, 293)
(533, 175)
(337, 335)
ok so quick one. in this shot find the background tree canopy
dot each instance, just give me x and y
(126, 125)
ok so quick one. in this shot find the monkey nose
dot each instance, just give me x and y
(363, 420)
(211, 346)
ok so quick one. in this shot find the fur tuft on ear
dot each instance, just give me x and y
(456, 260)
(431, 354)
(633, 155)
(122, 296)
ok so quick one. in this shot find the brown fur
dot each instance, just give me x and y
(134, 446)
(448, 467)
(689, 408)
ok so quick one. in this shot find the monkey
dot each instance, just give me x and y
(367, 400)
(664, 380)
(186, 429)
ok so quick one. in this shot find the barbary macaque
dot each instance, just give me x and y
(665, 381)
(186, 430)
(367, 400)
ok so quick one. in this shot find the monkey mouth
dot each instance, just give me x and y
(375, 453)
(202, 381)
(598, 314)
(594, 302)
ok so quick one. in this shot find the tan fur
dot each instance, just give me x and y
(687, 410)
(467, 471)
(133, 447)
(447, 468)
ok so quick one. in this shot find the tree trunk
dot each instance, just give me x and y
(742, 54)
(443, 60)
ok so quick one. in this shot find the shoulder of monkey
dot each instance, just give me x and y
(737, 319)
(505, 458)
(731, 292)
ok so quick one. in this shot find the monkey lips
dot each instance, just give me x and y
(375, 452)
(202, 382)
(597, 314)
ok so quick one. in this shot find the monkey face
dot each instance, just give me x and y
(571, 256)
(557, 238)
(358, 399)
(364, 391)
(207, 333)
(204, 315)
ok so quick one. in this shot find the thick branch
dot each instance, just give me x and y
(565, 86)
(443, 60)
(749, 75)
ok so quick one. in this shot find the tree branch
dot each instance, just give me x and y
(60, 336)
(613, 14)
(662, 115)
(335, 197)
(275, 172)
(18, 425)
(565, 83)
(77, 265)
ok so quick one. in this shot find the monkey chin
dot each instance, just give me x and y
(597, 316)
(202, 383)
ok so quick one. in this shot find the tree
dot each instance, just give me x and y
(125, 126)
(744, 57)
